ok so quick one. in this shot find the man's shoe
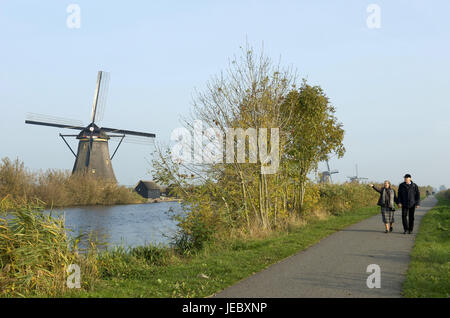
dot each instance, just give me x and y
(385, 231)
(391, 229)
(409, 232)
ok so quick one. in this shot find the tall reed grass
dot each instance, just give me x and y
(55, 188)
(35, 252)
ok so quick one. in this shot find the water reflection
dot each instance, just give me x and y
(129, 225)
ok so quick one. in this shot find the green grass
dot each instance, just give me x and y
(429, 269)
(223, 264)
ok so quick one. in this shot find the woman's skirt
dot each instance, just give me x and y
(387, 215)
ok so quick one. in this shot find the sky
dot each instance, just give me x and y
(389, 83)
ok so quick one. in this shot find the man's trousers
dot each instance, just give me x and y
(408, 218)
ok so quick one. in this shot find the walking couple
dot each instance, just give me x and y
(408, 200)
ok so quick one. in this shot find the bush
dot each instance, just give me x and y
(338, 198)
(446, 194)
(193, 235)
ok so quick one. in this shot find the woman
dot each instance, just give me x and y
(388, 198)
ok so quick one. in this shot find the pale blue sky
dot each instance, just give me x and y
(390, 85)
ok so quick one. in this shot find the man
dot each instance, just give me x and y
(408, 201)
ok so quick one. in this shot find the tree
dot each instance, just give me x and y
(253, 93)
(313, 133)
(247, 95)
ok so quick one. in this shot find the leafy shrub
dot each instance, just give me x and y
(193, 235)
(338, 198)
(183, 243)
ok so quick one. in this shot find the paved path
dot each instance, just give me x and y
(336, 266)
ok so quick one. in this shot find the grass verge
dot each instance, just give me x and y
(429, 270)
(215, 267)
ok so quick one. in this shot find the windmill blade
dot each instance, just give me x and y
(102, 96)
(128, 132)
(130, 139)
(101, 93)
(34, 117)
(33, 122)
(138, 140)
(328, 166)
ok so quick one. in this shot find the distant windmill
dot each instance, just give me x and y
(356, 178)
(325, 176)
(92, 156)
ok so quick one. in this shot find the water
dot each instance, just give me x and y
(128, 225)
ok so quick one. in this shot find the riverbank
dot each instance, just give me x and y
(153, 272)
(179, 270)
(59, 188)
(429, 270)
(162, 199)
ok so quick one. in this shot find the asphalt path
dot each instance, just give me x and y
(337, 265)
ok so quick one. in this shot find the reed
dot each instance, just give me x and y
(56, 188)
(35, 252)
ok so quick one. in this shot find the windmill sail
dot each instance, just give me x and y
(128, 132)
(53, 121)
(101, 93)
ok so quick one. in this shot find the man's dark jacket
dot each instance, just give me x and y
(408, 194)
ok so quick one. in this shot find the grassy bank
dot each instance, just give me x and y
(429, 270)
(35, 252)
(152, 272)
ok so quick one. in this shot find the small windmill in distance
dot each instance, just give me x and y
(356, 178)
(325, 176)
(92, 156)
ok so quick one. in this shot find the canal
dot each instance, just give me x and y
(128, 225)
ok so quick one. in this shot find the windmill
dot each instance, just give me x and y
(325, 176)
(356, 178)
(92, 156)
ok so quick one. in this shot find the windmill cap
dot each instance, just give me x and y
(407, 175)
